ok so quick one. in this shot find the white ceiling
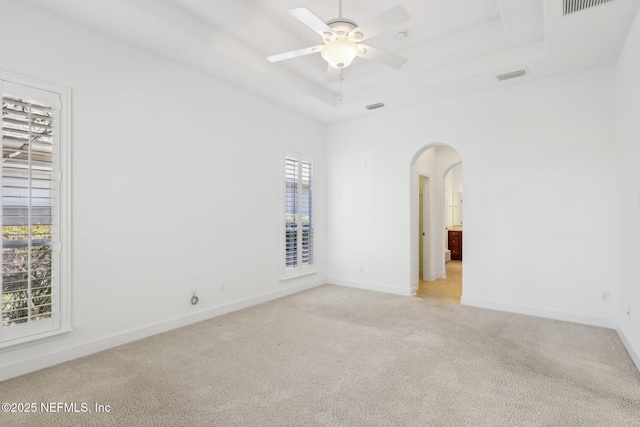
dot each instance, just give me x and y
(453, 46)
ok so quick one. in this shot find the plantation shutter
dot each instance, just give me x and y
(30, 288)
(298, 252)
(306, 207)
(291, 212)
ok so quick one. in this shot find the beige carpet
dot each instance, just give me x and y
(335, 356)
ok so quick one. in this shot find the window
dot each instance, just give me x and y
(34, 300)
(298, 215)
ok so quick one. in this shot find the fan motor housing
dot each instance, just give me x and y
(341, 28)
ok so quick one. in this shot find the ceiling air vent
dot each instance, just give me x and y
(572, 6)
(511, 75)
(374, 106)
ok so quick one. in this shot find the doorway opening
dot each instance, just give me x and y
(436, 223)
(423, 227)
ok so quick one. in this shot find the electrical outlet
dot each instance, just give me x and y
(194, 298)
(223, 287)
(604, 296)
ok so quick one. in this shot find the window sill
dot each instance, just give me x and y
(297, 275)
(33, 339)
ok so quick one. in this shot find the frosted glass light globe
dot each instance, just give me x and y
(339, 53)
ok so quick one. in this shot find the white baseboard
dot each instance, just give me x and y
(407, 292)
(539, 312)
(632, 353)
(437, 275)
(85, 349)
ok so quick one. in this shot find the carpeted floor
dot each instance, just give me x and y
(336, 356)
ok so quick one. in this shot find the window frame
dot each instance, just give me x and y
(300, 269)
(62, 246)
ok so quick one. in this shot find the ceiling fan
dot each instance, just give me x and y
(342, 38)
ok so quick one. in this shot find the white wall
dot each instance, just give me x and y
(539, 220)
(177, 184)
(453, 184)
(628, 167)
(456, 179)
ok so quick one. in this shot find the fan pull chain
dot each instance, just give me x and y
(341, 79)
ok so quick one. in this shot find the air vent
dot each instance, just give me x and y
(573, 6)
(511, 75)
(374, 106)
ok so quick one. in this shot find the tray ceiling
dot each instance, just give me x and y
(452, 46)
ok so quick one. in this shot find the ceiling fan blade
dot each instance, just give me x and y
(392, 17)
(305, 16)
(379, 55)
(333, 74)
(294, 53)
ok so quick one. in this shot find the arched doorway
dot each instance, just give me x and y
(436, 223)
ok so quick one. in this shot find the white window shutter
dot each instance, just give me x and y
(306, 212)
(298, 215)
(291, 212)
(30, 285)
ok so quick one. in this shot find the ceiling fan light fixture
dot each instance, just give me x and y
(339, 53)
(341, 38)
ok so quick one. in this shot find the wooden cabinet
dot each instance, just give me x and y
(455, 244)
